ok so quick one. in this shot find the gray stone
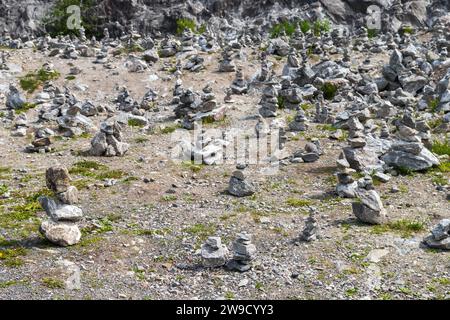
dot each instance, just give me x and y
(61, 233)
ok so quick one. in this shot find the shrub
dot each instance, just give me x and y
(286, 26)
(372, 33)
(305, 26)
(321, 26)
(185, 23)
(329, 90)
(33, 80)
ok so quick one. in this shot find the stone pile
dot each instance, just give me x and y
(226, 64)
(239, 186)
(61, 228)
(300, 122)
(346, 187)
(214, 253)
(14, 99)
(311, 152)
(108, 142)
(244, 252)
(239, 84)
(194, 63)
(440, 236)
(311, 230)
(269, 102)
(368, 208)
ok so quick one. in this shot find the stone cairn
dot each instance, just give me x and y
(368, 208)
(300, 122)
(214, 253)
(244, 253)
(269, 102)
(3, 65)
(61, 228)
(227, 64)
(108, 142)
(346, 187)
(311, 230)
(440, 236)
(311, 153)
(239, 186)
(239, 85)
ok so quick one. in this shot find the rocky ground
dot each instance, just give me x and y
(147, 216)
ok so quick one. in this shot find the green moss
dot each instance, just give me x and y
(404, 227)
(201, 231)
(135, 123)
(298, 203)
(441, 147)
(70, 77)
(407, 30)
(192, 166)
(52, 283)
(141, 139)
(11, 257)
(33, 80)
(110, 174)
(168, 198)
(170, 129)
(329, 90)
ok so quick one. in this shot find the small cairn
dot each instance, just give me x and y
(214, 253)
(440, 236)
(269, 102)
(244, 253)
(346, 187)
(108, 142)
(368, 208)
(311, 230)
(238, 186)
(227, 64)
(61, 229)
(239, 85)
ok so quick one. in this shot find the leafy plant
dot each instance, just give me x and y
(305, 26)
(33, 80)
(321, 26)
(185, 23)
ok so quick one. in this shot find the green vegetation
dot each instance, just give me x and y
(11, 257)
(33, 80)
(186, 23)
(321, 26)
(372, 33)
(329, 90)
(170, 129)
(281, 102)
(433, 104)
(135, 123)
(201, 231)
(52, 283)
(3, 189)
(298, 203)
(404, 227)
(70, 77)
(168, 197)
(26, 106)
(56, 20)
(407, 30)
(305, 26)
(192, 166)
(441, 147)
(95, 170)
(287, 27)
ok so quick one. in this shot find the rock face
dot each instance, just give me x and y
(440, 236)
(161, 15)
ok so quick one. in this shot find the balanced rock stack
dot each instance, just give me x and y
(108, 142)
(238, 186)
(269, 101)
(239, 85)
(346, 187)
(244, 253)
(227, 64)
(311, 230)
(368, 208)
(440, 236)
(300, 123)
(61, 229)
(214, 253)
